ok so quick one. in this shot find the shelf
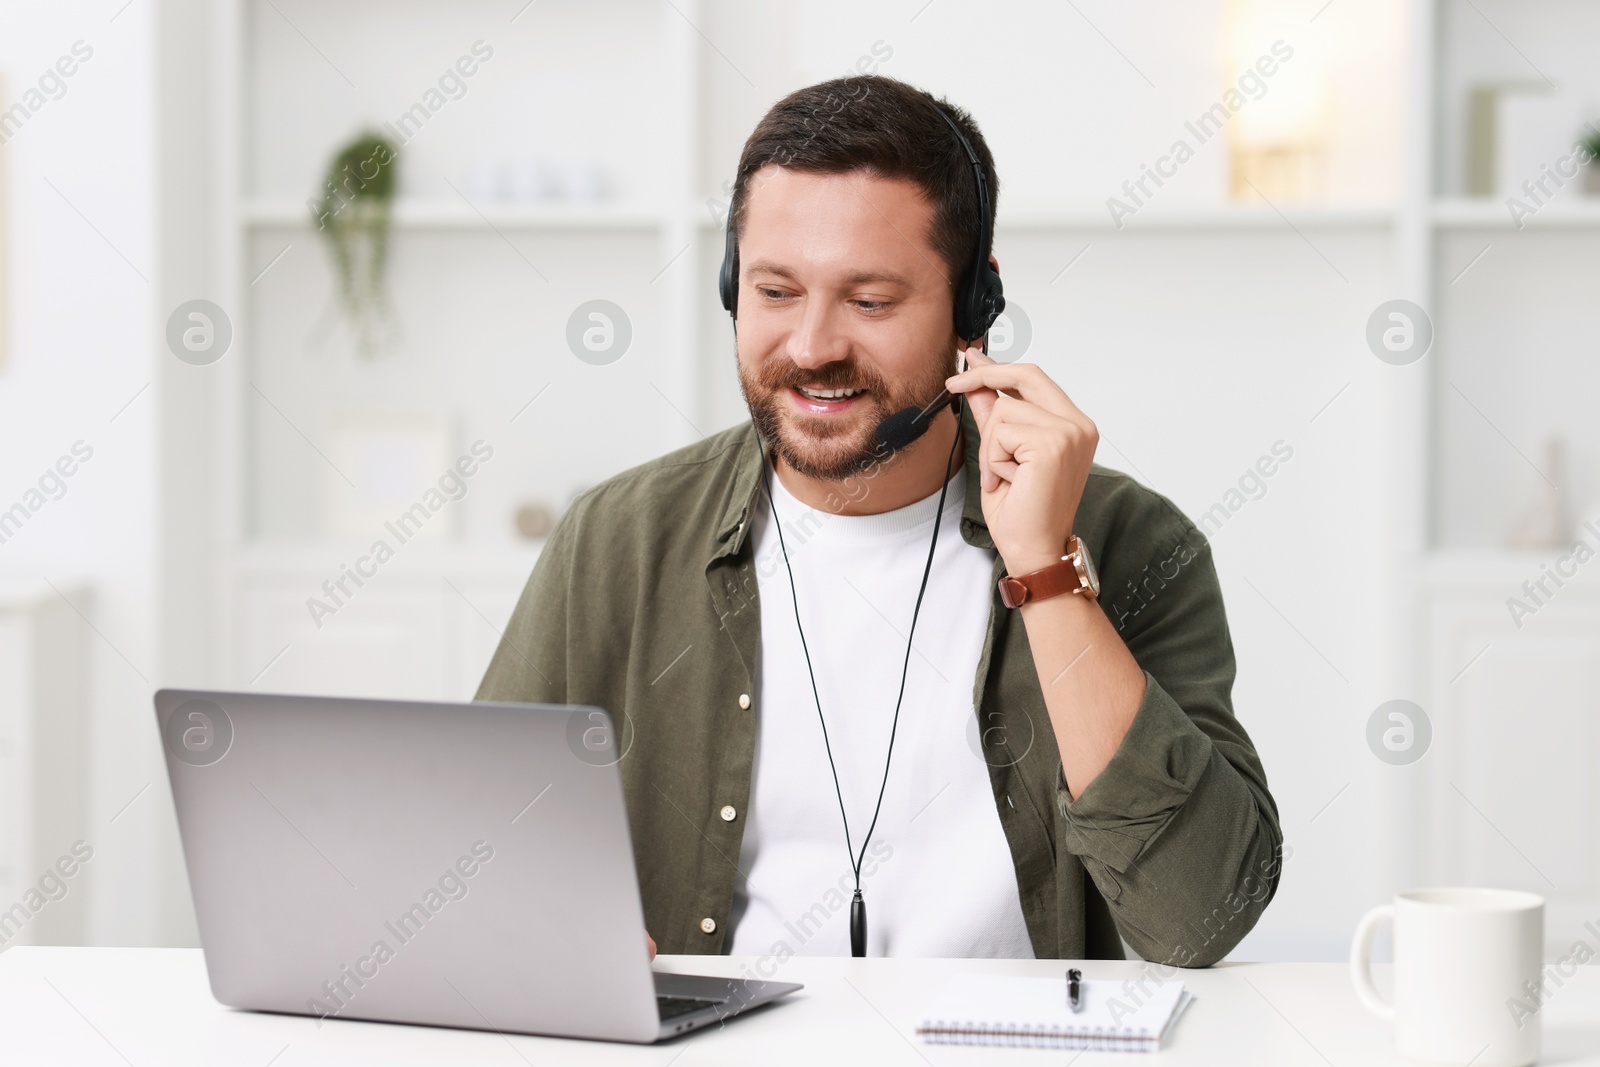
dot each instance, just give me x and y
(437, 213)
(1206, 217)
(1492, 213)
(1453, 213)
(1501, 571)
(1219, 217)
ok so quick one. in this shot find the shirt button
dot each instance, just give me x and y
(728, 813)
(744, 701)
(708, 925)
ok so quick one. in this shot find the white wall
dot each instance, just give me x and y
(83, 266)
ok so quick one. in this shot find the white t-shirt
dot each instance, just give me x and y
(938, 879)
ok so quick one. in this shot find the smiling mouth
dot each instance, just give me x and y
(826, 395)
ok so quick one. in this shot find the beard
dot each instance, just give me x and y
(832, 448)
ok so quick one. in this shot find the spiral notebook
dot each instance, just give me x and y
(982, 1009)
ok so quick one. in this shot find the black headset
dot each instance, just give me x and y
(979, 296)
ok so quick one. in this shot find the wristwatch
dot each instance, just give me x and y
(1072, 573)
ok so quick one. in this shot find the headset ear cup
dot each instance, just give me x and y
(991, 298)
(979, 303)
(728, 288)
(728, 276)
(965, 307)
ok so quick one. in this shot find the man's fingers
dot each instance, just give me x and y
(1006, 439)
(1015, 407)
(651, 942)
(1026, 381)
(998, 446)
(1074, 432)
(1025, 413)
(1017, 428)
(997, 465)
(981, 400)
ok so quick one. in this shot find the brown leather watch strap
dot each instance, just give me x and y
(1059, 577)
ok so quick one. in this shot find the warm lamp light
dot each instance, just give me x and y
(1276, 139)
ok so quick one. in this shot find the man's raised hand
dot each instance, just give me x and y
(1036, 449)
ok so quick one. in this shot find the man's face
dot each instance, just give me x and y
(839, 291)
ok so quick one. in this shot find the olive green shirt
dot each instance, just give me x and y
(644, 603)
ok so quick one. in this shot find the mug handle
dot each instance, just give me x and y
(1361, 961)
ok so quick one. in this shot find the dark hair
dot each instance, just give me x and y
(893, 130)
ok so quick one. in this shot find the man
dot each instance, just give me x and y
(818, 685)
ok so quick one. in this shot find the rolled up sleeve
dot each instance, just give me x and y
(1133, 800)
(1179, 831)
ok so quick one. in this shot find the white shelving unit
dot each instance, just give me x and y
(457, 214)
(494, 268)
(1490, 214)
(1504, 297)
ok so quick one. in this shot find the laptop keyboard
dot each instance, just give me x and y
(672, 1007)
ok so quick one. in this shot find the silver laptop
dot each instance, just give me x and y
(461, 865)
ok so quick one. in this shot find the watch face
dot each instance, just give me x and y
(1090, 575)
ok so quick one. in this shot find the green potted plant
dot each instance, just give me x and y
(354, 215)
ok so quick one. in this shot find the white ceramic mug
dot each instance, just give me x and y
(1459, 956)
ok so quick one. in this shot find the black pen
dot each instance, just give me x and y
(1075, 989)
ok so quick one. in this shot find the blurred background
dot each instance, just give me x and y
(1318, 270)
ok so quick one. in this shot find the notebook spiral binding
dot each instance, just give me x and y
(1023, 1035)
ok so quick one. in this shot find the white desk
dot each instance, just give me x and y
(153, 1007)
